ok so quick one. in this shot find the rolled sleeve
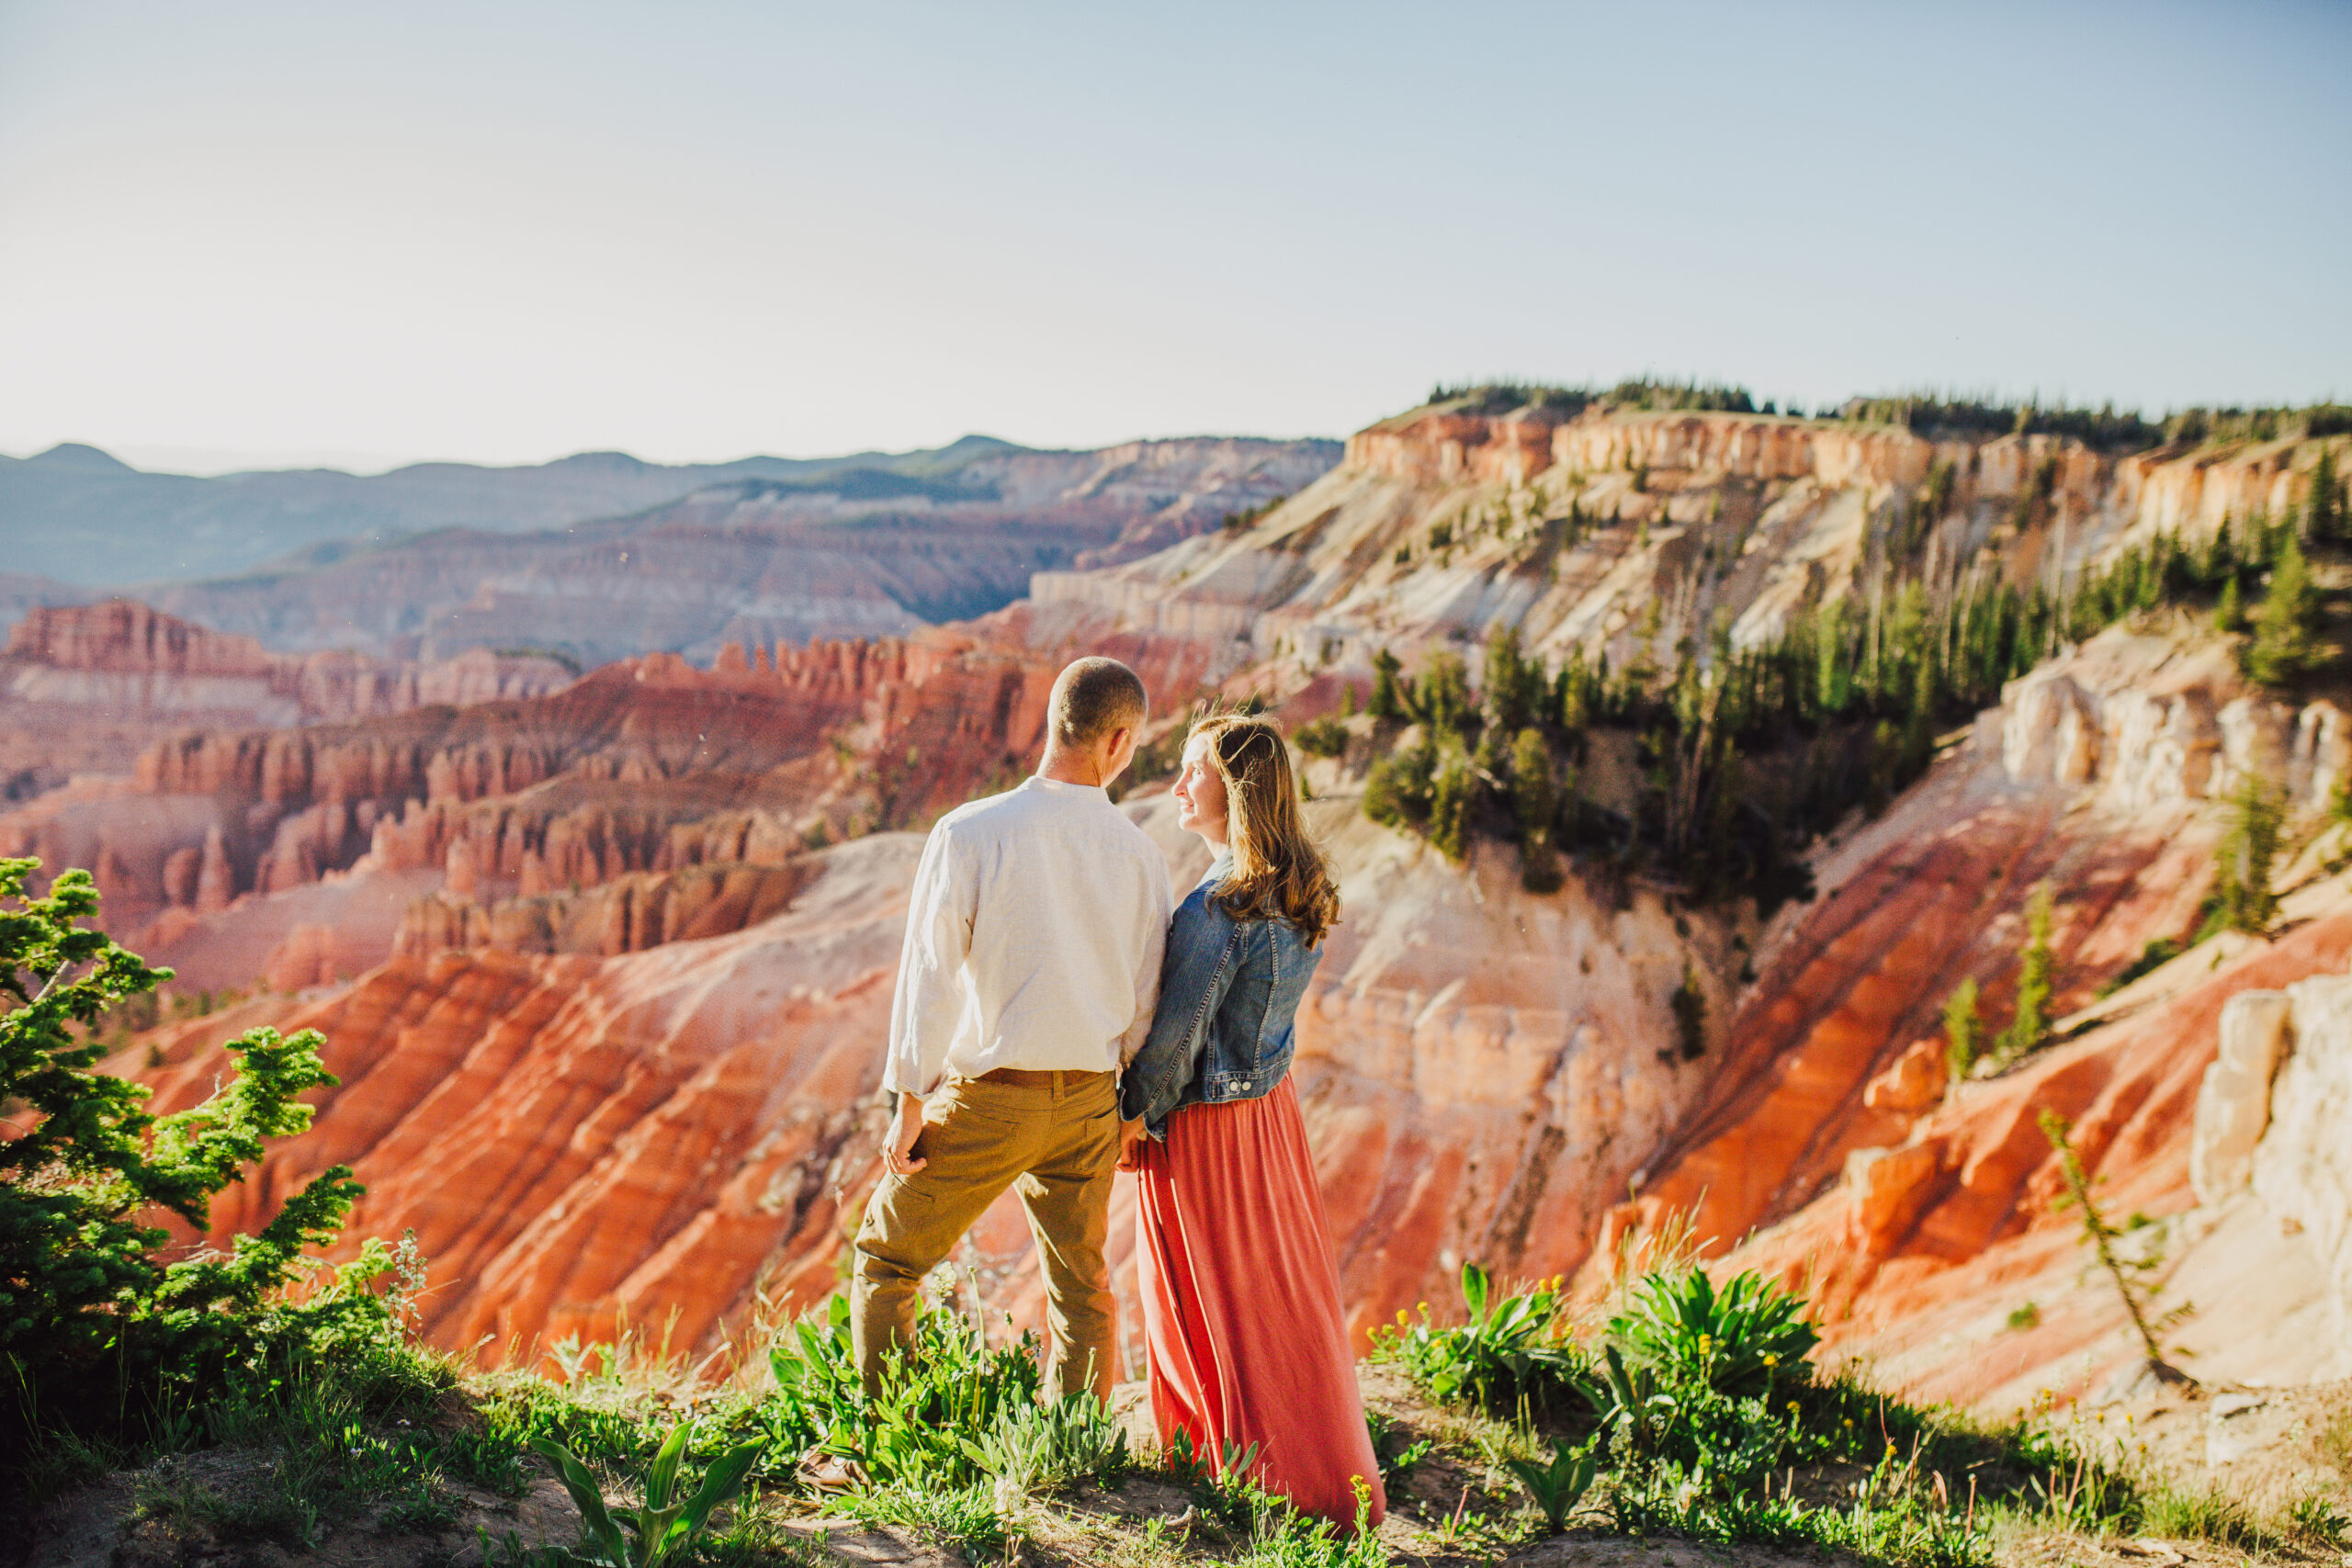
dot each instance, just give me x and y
(1153, 910)
(929, 1000)
(1202, 958)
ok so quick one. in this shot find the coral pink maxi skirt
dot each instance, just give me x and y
(1241, 1304)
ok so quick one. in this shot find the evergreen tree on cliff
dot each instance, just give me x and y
(1388, 700)
(2324, 514)
(2283, 647)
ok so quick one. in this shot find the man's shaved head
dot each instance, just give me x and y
(1094, 697)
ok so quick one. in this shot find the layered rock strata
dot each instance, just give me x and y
(1828, 1149)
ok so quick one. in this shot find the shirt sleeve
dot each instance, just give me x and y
(1202, 962)
(1156, 908)
(929, 1000)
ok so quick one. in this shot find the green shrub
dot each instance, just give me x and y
(1503, 1356)
(1325, 737)
(1035, 1448)
(1738, 1339)
(2157, 953)
(931, 1399)
(98, 1332)
(1398, 790)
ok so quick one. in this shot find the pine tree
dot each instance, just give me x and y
(2324, 512)
(1961, 1031)
(2282, 648)
(2220, 554)
(2030, 1027)
(1449, 797)
(1387, 701)
(2228, 615)
(1690, 1005)
(1445, 691)
(1514, 684)
(1920, 722)
(1396, 792)
(2241, 899)
(1577, 692)
(1535, 803)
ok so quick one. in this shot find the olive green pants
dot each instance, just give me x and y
(1054, 1138)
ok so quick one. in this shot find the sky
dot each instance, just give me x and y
(253, 234)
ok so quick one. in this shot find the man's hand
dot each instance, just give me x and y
(898, 1155)
(1132, 1138)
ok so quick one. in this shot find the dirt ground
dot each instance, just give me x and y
(2266, 1447)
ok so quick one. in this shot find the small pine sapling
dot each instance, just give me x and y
(2028, 1028)
(2133, 1277)
(1962, 1032)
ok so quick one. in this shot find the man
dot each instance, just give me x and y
(1030, 966)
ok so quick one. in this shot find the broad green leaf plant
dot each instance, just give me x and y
(667, 1521)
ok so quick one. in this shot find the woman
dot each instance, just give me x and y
(1240, 1296)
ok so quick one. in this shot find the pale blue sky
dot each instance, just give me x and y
(246, 233)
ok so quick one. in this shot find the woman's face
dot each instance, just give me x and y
(1200, 794)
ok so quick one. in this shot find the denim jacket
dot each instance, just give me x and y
(1229, 990)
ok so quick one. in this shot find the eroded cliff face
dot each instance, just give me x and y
(1481, 1069)
(581, 1142)
(1625, 533)
(1829, 1149)
(83, 689)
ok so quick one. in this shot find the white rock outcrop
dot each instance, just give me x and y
(2302, 1166)
(2234, 1103)
(2095, 723)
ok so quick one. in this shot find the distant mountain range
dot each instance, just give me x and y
(80, 514)
(600, 556)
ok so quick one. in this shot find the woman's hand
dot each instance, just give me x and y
(1132, 1138)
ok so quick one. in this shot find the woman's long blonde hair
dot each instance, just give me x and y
(1278, 874)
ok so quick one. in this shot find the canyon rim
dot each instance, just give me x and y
(602, 946)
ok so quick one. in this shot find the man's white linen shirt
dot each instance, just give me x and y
(1034, 940)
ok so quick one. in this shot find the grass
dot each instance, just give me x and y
(966, 1517)
(1792, 1458)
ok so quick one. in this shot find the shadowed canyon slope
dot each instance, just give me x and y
(604, 971)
